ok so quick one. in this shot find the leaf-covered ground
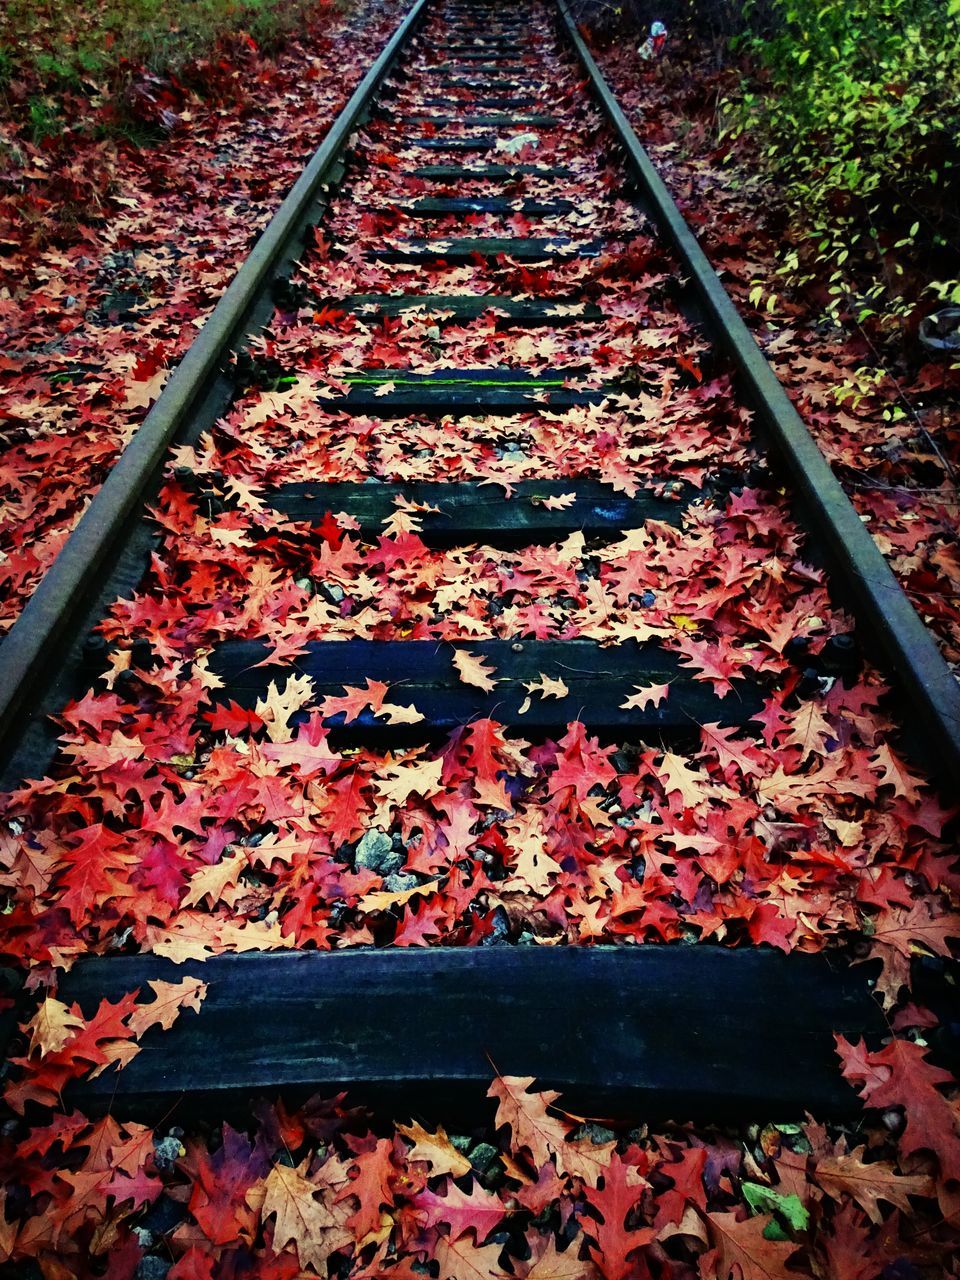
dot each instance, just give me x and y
(532, 1193)
(177, 821)
(882, 409)
(113, 255)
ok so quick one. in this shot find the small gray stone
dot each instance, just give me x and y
(333, 591)
(166, 1152)
(153, 1268)
(376, 852)
(483, 1156)
(598, 1134)
(400, 882)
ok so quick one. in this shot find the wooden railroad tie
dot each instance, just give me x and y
(647, 1031)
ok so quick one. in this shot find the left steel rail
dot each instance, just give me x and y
(50, 621)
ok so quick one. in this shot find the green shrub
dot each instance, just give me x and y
(857, 108)
(54, 46)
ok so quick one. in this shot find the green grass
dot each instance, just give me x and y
(52, 49)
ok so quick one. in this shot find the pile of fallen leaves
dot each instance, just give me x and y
(882, 409)
(533, 1193)
(179, 819)
(112, 256)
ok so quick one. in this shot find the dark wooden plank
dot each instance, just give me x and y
(484, 102)
(460, 391)
(488, 41)
(489, 172)
(422, 671)
(486, 66)
(503, 86)
(530, 249)
(446, 206)
(467, 512)
(465, 145)
(519, 311)
(453, 59)
(489, 121)
(673, 1032)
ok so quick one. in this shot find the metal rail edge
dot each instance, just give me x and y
(30, 648)
(908, 646)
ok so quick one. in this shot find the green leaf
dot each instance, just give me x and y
(790, 1209)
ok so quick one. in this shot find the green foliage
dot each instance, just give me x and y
(857, 107)
(44, 120)
(787, 1210)
(58, 46)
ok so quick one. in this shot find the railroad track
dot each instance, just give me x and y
(475, 403)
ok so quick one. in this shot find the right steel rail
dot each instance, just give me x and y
(900, 636)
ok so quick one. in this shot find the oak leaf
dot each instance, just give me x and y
(644, 696)
(742, 1252)
(546, 686)
(900, 1075)
(678, 779)
(848, 1248)
(846, 1174)
(477, 1210)
(436, 1149)
(462, 1260)
(172, 999)
(396, 714)
(354, 701)
(548, 1264)
(279, 705)
(613, 1242)
(472, 670)
(370, 1187)
(301, 1219)
(211, 882)
(899, 934)
(558, 502)
(52, 1026)
(525, 1114)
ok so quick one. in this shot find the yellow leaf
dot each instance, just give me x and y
(652, 695)
(280, 704)
(436, 1149)
(472, 670)
(213, 880)
(171, 999)
(52, 1026)
(302, 1219)
(142, 394)
(380, 901)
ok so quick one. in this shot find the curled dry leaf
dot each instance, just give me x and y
(474, 670)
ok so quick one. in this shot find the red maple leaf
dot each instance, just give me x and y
(900, 1075)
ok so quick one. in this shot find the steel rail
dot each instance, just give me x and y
(30, 649)
(906, 644)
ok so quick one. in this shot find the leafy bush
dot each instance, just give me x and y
(51, 50)
(857, 107)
